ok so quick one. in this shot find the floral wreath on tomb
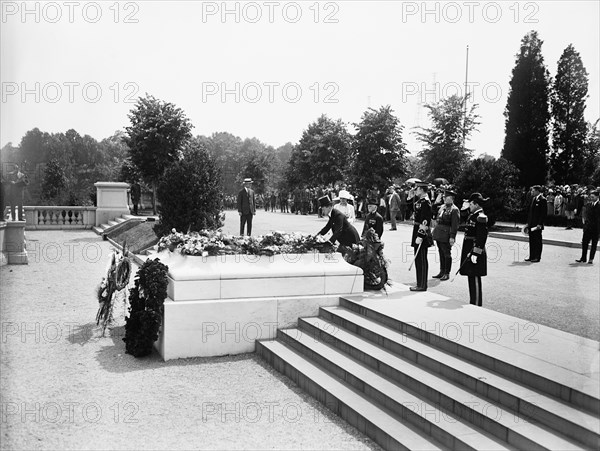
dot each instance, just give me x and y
(116, 280)
(211, 243)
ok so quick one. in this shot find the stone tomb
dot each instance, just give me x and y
(222, 305)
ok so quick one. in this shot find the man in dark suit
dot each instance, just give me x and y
(538, 209)
(342, 230)
(246, 206)
(421, 236)
(591, 228)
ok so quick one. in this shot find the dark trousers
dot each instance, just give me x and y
(422, 266)
(246, 219)
(589, 235)
(535, 245)
(402, 212)
(445, 251)
(475, 290)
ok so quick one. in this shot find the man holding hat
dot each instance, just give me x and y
(473, 257)
(373, 220)
(535, 223)
(421, 236)
(342, 230)
(444, 233)
(246, 206)
(591, 228)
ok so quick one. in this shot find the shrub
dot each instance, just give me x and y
(146, 308)
(494, 179)
(190, 193)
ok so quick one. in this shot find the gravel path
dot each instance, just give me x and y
(63, 386)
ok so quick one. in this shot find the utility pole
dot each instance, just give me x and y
(465, 101)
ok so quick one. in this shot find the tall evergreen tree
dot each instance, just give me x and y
(444, 152)
(379, 155)
(527, 114)
(569, 126)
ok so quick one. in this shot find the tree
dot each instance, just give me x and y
(157, 134)
(378, 153)
(527, 115)
(591, 168)
(569, 126)
(257, 168)
(325, 147)
(190, 193)
(494, 179)
(225, 150)
(444, 152)
(54, 180)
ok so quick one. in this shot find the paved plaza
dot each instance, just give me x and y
(557, 292)
(64, 386)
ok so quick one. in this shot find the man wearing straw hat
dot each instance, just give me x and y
(473, 257)
(246, 206)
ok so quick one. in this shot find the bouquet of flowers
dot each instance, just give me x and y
(117, 278)
(210, 243)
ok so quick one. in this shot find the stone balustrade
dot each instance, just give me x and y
(59, 217)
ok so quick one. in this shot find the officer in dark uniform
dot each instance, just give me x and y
(473, 257)
(421, 236)
(373, 220)
(444, 233)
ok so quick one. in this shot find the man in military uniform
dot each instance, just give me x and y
(421, 236)
(473, 256)
(444, 233)
(373, 220)
(591, 228)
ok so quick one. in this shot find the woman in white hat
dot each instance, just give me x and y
(345, 207)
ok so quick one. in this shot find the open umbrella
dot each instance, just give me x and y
(412, 180)
(440, 181)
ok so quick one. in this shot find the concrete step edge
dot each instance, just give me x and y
(449, 395)
(461, 371)
(536, 381)
(376, 423)
(446, 427)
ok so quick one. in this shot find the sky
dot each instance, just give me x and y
(269, 69)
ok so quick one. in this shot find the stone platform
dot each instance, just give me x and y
(222, 305)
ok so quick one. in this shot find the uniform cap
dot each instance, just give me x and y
(324, 201)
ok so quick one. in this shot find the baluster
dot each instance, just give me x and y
(44, 213)
(62, 217)
(53, 217)
(77, 217)
(70, 215)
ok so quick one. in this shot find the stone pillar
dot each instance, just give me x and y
(3, 257)
(14, 243)
(112, 201)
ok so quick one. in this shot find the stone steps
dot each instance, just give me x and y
(374, 371)
(396, 355)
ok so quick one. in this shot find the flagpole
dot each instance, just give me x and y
(465, 100)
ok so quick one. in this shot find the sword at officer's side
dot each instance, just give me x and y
(462, 264)
(418, 249)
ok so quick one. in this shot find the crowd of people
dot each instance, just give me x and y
(435, 218)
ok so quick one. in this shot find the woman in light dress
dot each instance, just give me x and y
(345, 207)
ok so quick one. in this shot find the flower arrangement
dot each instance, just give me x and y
(117, 278)
(209, 243)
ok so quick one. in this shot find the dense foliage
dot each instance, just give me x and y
(527, 114)
(189, 193)
(146, 308)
